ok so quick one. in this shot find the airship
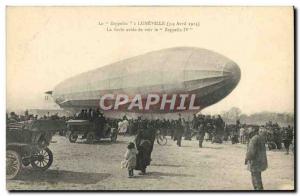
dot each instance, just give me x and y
(181, 80)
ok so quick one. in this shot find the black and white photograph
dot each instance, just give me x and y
(150, 98)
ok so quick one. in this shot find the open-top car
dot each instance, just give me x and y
(27, 144)
(90, 130)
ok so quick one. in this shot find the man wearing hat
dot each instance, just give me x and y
(256, 157)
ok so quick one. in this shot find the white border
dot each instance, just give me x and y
(153, 2)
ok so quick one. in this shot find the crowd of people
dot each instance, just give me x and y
(202, 127)
(275, 135)
(12, 117)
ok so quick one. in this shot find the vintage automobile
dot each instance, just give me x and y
(27, 143)
(89, 131)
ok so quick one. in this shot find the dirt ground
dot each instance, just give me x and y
(98, 167)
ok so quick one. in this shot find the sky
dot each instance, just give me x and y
(46, 45)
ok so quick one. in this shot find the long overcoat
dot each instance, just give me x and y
(256, 154)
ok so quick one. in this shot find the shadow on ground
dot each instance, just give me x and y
(210, 147)
(100, 142)
(62, 176)
(160, 175)
(184, 146)
(166, 165)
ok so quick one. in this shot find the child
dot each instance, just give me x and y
(130, 157)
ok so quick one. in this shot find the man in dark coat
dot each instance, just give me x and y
(200, 134)
(144, 142)
(287, 138)
(80, 115)
(219, 123)
(102, 122)
(256, 158)
(235, 133)
(179, 132)
(99, 124)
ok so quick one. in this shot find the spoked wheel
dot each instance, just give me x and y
(13, 164)
(162, 140)
(73, 137)
(42, 160)
(90, 137)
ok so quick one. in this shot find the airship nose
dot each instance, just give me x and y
(233, 71)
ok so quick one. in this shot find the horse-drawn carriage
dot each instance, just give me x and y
(89, 130)
(27, 144)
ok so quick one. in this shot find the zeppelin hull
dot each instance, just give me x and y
(208, 75)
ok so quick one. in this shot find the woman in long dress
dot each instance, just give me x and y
(144, 142)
